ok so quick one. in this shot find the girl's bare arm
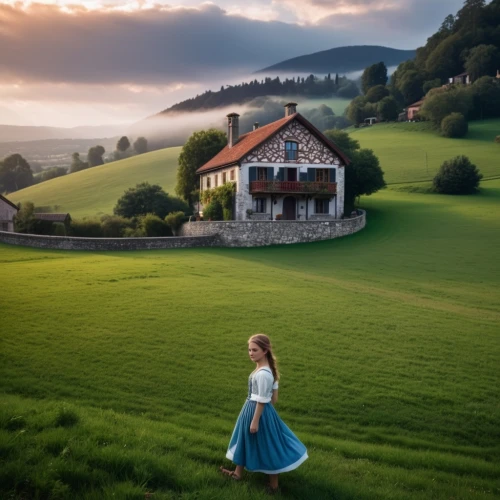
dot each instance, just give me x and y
(274, 398)
(254, 425)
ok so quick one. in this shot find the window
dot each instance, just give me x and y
(261, 174)
(224, 177)
(231, 175)
(216, 180)
(4, 226)
(322, 206)
(208, 182)
(291, 151)
(259, 205)
(322, 175)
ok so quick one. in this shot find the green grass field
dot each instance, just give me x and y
(412, 152)
(123, 373)
(95, 191)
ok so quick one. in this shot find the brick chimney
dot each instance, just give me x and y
(256, 125)
(233, 129)
(290, 108)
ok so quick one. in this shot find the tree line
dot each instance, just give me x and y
(310, 86)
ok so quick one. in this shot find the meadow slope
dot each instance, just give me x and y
(123, 373)
(95, 191)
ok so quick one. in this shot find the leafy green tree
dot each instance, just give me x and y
(411, 86)
(376, 74)
(388, 109)
(94, 156)
(123, 144)
(482, 60)
(454, 125)
(153, 226)
(442, 102)
(141, 145)
(175, 220)
(52, 173)
(15, 173)
(348, 91)
(356, 112)
(77, 164)
(377, 93)
(431, 84)
(457, 176)
(444, 61)
(343, 140)
(24, 221)
(471, 16)
(486, 95)
(213, 211)
(198, 150)
(147, 198)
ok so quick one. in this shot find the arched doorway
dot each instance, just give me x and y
(289, 208)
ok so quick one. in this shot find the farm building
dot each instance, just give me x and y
(284, 170)
(413, 109)
(50, 219)
(7, 213)
(463, 78)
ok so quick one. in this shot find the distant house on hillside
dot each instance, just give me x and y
(287, 168)
(413, 109)
(498, 73)
(463, 78)
(7, 213)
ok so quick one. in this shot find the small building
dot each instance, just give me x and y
(371, 120)
(7, 213)
(54, 218)
(284, 170)
(498, 73)
(463, 78)
(413, 109)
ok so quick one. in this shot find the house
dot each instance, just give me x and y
(463, 78)
(284, 170)
(371, 120)
(413, 109)
(7, 213)
(498, 73)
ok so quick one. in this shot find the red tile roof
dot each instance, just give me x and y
(8, 202)
(418, 103)
(249, 141)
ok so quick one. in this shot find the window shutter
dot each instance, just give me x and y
(311, 174)
(270, 173)
(333, 175)
(303, 176)
(281, 174)
(252, 174)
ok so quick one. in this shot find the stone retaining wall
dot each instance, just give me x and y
(262, 233)
(101, 244)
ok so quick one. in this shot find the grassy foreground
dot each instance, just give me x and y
(95, 191)
(123, 373)
(411, 152)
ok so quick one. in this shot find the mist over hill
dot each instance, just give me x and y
(341, 60)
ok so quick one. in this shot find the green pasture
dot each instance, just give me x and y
(412, 152)
(96, 190)
(123, 373)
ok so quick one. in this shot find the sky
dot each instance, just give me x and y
(100, 62)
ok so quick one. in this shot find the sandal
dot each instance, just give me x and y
(231, 473)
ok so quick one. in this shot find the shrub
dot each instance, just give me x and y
(113, 226)
(213, 211)
(89, 228)
(454, 125)
(175, 220)
(457, 176)
(497, 139)
(152, 225)
(58, 229)
(227, 213)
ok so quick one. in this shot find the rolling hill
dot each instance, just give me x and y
(341, 60)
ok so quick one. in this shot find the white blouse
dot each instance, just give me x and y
(263, 385)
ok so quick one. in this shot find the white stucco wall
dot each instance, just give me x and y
(227, 170)
(7, 213)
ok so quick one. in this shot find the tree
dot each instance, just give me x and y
(377, 93)
(123, 144)
(457, 176)
(410, 86)
(486, 95)
(363, 176)
(145, 199)
(356, 111)
(175, 220)
(431, 84)
(15, 173)
(483, 60)
(454, 125)
(442, 102)
(52, 173)
(114, 226)
(77, 164)
(94, 156)
(213, 211)
(201, 147)
(153, 226)
(376, 74)
(141, 145)
(343, 140)
(388, 109)
(348, 90)
(24, 221)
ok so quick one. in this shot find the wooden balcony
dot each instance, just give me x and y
(303, 187)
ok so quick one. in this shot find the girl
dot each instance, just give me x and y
(261, 442)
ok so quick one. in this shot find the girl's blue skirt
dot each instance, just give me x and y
(272, 450)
